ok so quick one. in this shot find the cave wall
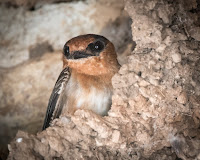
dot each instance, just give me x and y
(155, 111)
(29, 33)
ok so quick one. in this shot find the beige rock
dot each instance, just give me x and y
(169, 64)
(182, 98)
(168, 41)
(143, 138)
(176, 57)
(161, 48)
(143, 83)
(144, 91)
(164, 12)
(153, 81)
(123, 69)
(116, 136)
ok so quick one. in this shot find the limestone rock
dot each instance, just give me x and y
(176, 57)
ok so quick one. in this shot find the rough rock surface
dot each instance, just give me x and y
(155, 112)
(22, 30)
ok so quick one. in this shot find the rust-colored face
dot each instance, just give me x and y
(89, 54)
(84, 46)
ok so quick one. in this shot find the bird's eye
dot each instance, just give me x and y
(98, 46)
(66, 50)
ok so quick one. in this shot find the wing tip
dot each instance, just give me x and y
(45, 125)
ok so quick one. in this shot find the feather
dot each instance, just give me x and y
(55, 104)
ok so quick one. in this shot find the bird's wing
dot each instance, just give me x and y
(55, 104)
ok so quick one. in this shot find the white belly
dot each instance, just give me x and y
(99, 101)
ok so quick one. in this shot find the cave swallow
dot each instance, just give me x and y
(89, 63)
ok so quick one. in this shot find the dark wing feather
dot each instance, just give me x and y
(55, 104)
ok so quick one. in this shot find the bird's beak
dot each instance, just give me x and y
(79, 54)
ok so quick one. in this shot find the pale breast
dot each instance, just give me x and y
(97, 100)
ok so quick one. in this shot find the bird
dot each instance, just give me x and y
(89, 63)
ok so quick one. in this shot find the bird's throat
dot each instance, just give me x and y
(89, 66)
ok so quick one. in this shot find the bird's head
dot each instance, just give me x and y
(90, 54)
